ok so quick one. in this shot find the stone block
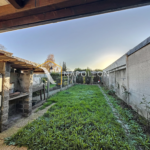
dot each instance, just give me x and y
(27, 105)
(27, 113)
(5, 98)
(5, 104)
(4, 111)
(4, 117)
(5, 122)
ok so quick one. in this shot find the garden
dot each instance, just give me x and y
(80, 119)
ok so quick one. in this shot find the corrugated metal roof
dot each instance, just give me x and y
(138, 47)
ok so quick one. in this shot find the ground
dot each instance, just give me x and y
(82, 118)
(17, 126)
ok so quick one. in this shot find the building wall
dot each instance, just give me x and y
(118, 63)
(115, 75)
(138, 71)
(118, 82)
(131, 73)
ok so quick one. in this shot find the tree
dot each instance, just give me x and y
(98, 70)
(64, 68)
(2, 47)
(79, 69)
(50, 65)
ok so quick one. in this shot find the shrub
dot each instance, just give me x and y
(44, 79)
(111, 92)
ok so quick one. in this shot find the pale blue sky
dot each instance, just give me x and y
(93, 42)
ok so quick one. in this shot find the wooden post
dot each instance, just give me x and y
(41, 94)
(48, 83)
(44, 91)
(68, 80)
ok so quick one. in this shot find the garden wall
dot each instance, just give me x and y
(114, 77)
(131, 73)
(138, 70)
(117, 81)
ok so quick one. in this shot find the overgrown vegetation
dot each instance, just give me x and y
(80, 119)
(134, 121)
(147, 107)
(111, 92)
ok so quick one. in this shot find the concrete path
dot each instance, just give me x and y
(19, 124)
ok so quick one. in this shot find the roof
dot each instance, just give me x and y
(19, 14)
(19, 63)
(139, 46)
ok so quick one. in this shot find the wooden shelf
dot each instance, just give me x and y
(19, 96)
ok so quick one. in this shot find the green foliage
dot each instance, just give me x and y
(79, 79)
(80, 119)
(137, 137)
(55, 75)
(51, 86)
(79, 69)
(84, 80)
(147, 106)
(64, 67)
(98, 70)
(96, 78)
(44, 79)
(111, 92)
(88, 76)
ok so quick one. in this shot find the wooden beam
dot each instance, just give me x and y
(8, 59)
(96, 7)
(32, 4)
(20, 66)
(18, 3)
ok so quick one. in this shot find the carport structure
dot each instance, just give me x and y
(17, 14)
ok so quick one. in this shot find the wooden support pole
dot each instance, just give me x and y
(44, 91)
(48, 83)
(68, 80)
(41, 94)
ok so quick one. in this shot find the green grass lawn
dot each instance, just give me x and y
(81, 119)
(51, 86)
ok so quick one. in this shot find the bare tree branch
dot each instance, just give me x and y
(2, 47)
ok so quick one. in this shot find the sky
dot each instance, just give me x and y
(94, 42)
